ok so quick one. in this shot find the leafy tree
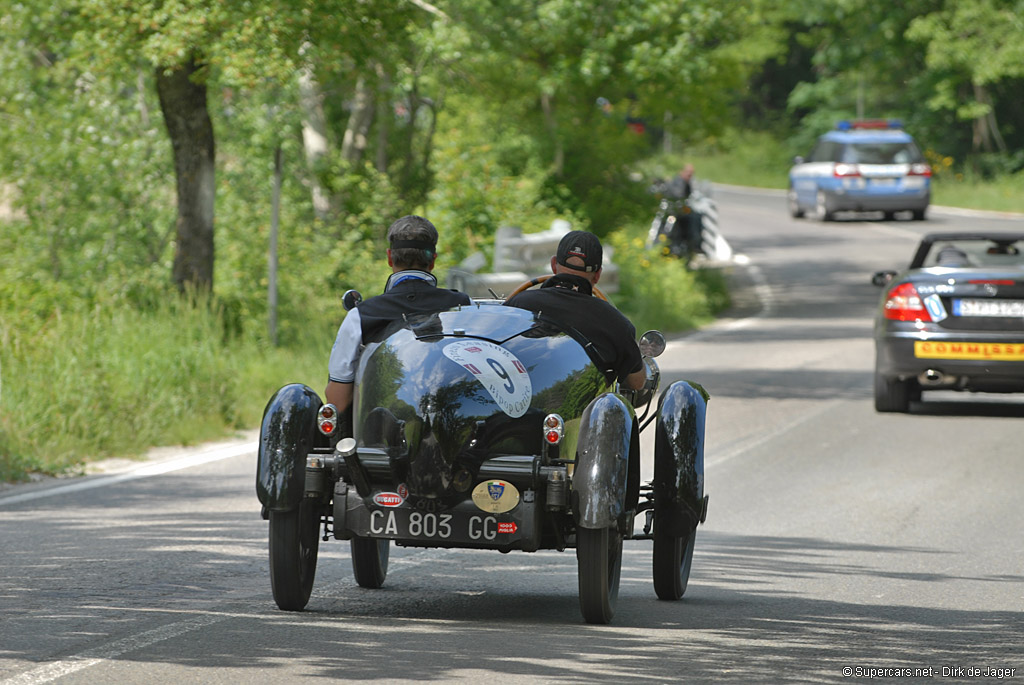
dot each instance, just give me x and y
(189, 44)
(973, 46)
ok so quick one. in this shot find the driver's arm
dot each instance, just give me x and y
(341, 368)
(339, 394)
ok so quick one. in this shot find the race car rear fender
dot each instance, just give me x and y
(679, 502)
(286, 438)
(600, 481)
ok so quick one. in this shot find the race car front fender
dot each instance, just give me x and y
(679, 501)
(286, 438)
(601, 475)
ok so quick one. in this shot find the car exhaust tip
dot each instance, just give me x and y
(932, 377)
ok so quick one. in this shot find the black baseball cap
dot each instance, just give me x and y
(580, 244)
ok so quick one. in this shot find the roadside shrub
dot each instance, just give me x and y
(660, 292)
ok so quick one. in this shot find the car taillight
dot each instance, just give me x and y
(903, 303)
(919, 169)
(842, 170)
(554, 429)
(326, 419)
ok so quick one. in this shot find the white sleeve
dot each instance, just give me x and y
(342, 366)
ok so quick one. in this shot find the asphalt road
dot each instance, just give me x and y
(837, 538)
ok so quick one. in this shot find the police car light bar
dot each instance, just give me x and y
(875, 124)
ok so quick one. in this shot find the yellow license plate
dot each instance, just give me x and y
(928, 349)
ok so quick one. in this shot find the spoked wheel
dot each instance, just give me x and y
(672, 558)
(599, 559)
(370, 561)
(294, 542)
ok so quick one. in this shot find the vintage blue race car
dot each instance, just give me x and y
(484, 427)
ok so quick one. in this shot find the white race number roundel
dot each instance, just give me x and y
(500, 372)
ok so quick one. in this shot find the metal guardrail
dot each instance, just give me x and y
(519, 257)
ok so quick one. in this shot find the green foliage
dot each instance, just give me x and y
(657, 291)
(485, 178)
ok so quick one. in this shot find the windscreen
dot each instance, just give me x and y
(881, 153)
(962, 253)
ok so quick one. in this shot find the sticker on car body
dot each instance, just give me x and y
(496, 496)
(499, 371)
(933, 303)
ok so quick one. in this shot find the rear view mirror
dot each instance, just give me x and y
(882, 278)
(652, 343)
(350, 299)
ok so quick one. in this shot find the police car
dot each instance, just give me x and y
(862, 166)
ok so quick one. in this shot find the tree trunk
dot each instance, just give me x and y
(384, 114)
(558, 160)
(354, 143)
(986, 130)
(314, 135)
(183, 103)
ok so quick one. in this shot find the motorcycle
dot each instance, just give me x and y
(484, 427)
(683, 227)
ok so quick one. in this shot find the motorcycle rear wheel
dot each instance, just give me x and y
(294, 543)
(599, 563)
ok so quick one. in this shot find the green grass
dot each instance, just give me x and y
(1003, 194)
(113, 381)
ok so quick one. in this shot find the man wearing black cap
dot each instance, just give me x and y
(567, 298)
(411, 289)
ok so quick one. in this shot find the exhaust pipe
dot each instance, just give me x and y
(933, 377)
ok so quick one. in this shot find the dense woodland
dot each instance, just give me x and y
(156, 147)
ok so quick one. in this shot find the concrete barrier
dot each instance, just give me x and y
(519, 257)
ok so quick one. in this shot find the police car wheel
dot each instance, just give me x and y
(795, 210)
(823, 208)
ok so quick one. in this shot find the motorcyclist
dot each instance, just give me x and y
(411, 289)
(681, 185)
(567, 297)
(687, 228)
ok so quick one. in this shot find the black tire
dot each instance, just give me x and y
(673, 556)
(599, 562)
(294, 543)
(795, 210)
(889, 216)
(918, 214)
(891, 394)
(370, 561)
(823, 208)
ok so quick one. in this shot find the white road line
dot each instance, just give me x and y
(142, 472)
(91, 657)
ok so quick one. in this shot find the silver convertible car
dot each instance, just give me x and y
(953, 320)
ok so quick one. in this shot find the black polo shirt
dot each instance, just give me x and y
(568, 300)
